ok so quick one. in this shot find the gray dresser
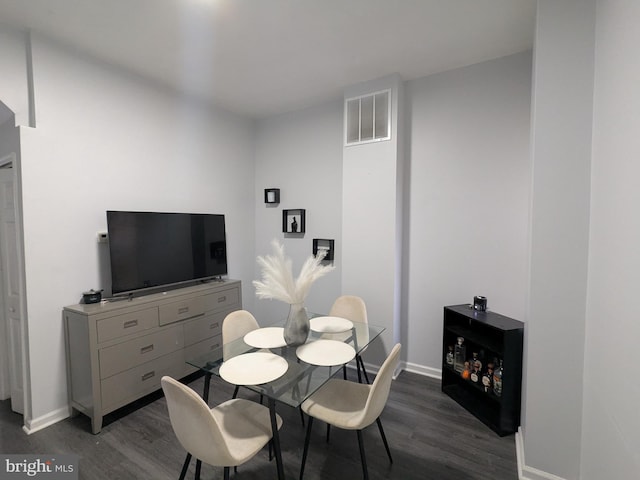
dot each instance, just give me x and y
(117, 351)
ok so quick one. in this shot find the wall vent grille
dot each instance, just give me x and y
(368, 118)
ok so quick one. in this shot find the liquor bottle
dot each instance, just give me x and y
(497, 380)
(475, 360)
(475, 371)
(466, 371)
(487, 378)
(459, 355)
(449, 357)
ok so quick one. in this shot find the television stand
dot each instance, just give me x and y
(213, 280)
(117, 352)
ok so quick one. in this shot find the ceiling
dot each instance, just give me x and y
(265, 57)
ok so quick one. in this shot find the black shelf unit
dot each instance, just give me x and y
(492, 336)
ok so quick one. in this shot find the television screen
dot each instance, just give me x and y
(151, 249)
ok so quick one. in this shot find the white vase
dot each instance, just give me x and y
(296, 328)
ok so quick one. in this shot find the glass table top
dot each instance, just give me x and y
(301, 379)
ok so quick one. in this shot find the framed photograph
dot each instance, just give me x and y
(326, 245)
(293, 220)
(271, 195)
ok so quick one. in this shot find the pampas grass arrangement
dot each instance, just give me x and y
(277, 276)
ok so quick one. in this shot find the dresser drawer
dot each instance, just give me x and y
(120, 389)
(223, 299)
(204, 327)
(140, 350)
(182, 310)
(122, 325)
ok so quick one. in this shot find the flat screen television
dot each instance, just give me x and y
(150, 250)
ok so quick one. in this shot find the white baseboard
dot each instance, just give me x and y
(35, 424)
(421, 370)
(525, 472)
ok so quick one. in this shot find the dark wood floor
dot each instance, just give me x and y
(431, 437)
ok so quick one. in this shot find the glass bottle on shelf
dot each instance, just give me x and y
(487, 378)
(475, 371)
(449, 357)
(459, 355)
(466, 371)
(475, 360)
(497, 380)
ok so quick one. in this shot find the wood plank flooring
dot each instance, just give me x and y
(431, 438)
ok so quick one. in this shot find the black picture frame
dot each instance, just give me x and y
(271, 196)
(324, 244)
(294, 220)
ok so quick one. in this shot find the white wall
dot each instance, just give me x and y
(9, 136)
(561, 153)
(372, 195)
(107, 140)
(611, 424)
(469, 184)
(13, 81)
(301, 154)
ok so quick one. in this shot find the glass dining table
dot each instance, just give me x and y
(294, 372)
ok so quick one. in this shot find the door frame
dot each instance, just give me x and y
(6, 161)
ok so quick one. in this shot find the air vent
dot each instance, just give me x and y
(368, 118)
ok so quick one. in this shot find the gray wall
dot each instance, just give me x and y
(469, 186)
(13, 81)
(611, 424)
(108, 140)
(372, 191)
(300, 153)
(561, 155)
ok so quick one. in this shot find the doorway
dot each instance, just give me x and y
(11, 298)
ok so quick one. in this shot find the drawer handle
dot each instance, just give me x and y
(148, 375)
(213, 325)
(131, 323)
(222, 299)
(183, 310)
(213, 347)
(147, 349)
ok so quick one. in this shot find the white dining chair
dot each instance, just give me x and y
(352, 406)
(352, 308)
(234, 326)
(224, 436)
(237, 324)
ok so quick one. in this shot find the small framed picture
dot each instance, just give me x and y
(271, 195)
(293, 220)
(324, 245)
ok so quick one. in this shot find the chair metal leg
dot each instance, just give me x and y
(307, 438)
(276, 438)
(185, 466)
(226, 473)
(364, 370)
(328, 431)
(235, 391)
(198, 468)
(384, 439)
(301, 416)
(362, 456)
